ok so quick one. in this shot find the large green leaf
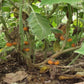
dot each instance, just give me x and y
(39, 25)
(44, 2)
(81, 50)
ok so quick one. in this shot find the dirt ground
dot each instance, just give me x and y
(11, 72)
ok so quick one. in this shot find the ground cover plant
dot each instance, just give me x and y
(44, 37)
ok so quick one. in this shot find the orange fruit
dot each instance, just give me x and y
(57, 62)
(14, 43)
(62, 37)
(8, 44)
(26, 43)
(69, 40)
(26, 49)
(73, 45)
(25, 28)
(50, 62)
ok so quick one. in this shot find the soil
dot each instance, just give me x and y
(35, 77)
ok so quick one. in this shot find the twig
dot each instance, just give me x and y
(72, 66)
(73, 70)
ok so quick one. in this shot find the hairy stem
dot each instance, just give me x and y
(67, 26)
(67, 34)
(27, 58)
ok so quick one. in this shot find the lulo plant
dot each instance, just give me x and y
(39, 26)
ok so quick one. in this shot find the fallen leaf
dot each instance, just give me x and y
(79, 83)
(80, 73)
(29, 77)
(14, 77)
(47, 82)
(44, 69)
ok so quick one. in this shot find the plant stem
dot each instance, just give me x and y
(77, 29)
(27, 58)
(67, 26)
(74, 59)
(67, 34)
(21, 25)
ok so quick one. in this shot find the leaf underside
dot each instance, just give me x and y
(39, 25)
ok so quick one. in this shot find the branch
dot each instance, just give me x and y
(57, 55)
(71, 66)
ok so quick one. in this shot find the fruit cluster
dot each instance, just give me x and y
(9, 44)
(53, 62)
(68, 40)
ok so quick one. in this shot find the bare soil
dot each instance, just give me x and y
(35, 77)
